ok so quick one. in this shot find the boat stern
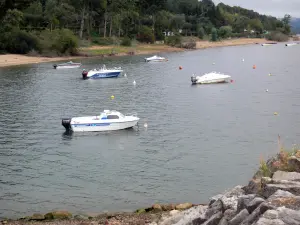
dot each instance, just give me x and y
(66, 123)
(193, 79)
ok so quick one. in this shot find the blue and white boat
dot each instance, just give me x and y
(103, 72)
(107, 120)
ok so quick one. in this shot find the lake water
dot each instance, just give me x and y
(200, 140)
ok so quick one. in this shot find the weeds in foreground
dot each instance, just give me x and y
(280, 162)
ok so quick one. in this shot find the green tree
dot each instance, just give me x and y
(225, 32)
(214, 34)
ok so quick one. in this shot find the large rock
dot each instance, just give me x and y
(216, 207)
(37, 216)
(243, 201)
(215, 219)
(294, 163)
(198, 221)
(290, 186)
(58, 215)
(288, 202)
(256, 214)
(239, 217)
(264, 221)
(185, 217)
(280, 194)
(289, 216)
(157, 207)
(230, 198)
(184, 206)
(281, 175)
(253, 187)
(223, 222)
(251, 206)
(229, 214)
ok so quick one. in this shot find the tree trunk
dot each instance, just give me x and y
(110, 26)
(82, 22)
(105, 23)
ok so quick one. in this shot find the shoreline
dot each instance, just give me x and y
(8, 60)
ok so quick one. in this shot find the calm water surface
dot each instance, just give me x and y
(200, 140)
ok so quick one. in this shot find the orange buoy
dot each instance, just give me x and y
(180, 67)
(254, 66)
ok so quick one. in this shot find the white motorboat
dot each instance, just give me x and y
(269, 44)
(210, 78)
(103, 72)
(155, 58)
(291, 44)
(67, 65)
(106, 121)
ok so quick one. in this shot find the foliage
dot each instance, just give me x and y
(264, 169)
(146, 21)
(18, 41)
(145, 35)
(277, 36)
(174, 41)
(214, 34)
(225, 32)
(126, 41)
(61, 41)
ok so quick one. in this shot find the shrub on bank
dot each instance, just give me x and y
(59, 41)
(145, 35)
(174, 41)
(277, 36)
(126, 41)
(18, 42)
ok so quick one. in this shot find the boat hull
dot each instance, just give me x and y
(104, 75)
(103, 126)
(217, 81)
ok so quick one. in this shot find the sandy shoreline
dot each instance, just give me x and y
(15, 59)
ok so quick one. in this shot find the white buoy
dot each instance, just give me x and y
(125, 75)
(267, 90)
(145, 125)
(243, 60)
(134, 83)
(214, 63)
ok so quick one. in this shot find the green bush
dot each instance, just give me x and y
(225, 32)
(103, 41)
(145, 35)
(61, 41)
(19, 42)
(126, 41)
(277, 36)
(174, 41)
(214, 34)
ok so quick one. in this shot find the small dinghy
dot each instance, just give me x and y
(155, 58)
(269, 44)
(106, 121)
(101, 73)
(291, 44)
(67, 65)
(210, 78)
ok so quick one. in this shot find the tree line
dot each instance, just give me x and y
(48, 24)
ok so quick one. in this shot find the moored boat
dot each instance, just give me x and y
(103, 72)
(67, 65)
(269, 44)
(210, 78)
(291, 44)
(155, 58)
(108, 120)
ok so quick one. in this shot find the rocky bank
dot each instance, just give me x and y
(272, 197)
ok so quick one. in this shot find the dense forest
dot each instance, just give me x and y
(60, 25)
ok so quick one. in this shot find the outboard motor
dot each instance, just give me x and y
(84, 74)
(54, 66)
(66, 123)
(194, 79)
